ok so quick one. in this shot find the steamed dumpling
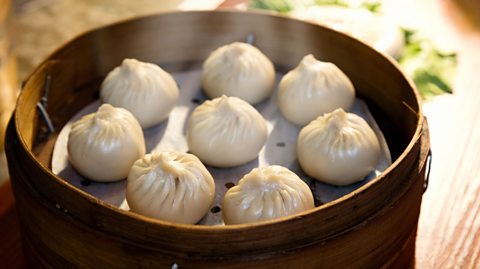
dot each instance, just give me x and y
(171, 186)
(226, 131)
(338, 148)
(312, 89)
(264, 194)
(144, 89)
(102, 146)
(240, 70)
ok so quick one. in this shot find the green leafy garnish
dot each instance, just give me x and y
(339, 3)
(431, 70)
(282, 6)
(372, 6)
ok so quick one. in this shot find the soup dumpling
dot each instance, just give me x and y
(102, 146)
(338, 148)
(144, 89)
(264, 194)
(240, 70)
(172, 186)
(312, 89)
(226, 131)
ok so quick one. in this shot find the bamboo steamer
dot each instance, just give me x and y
(63, 227)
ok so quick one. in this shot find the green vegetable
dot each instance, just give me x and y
(372, 6)
(282, 6)
(431, 70)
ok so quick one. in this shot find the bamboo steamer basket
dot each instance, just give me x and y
(63, 227)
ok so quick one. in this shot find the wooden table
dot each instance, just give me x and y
(449, 225)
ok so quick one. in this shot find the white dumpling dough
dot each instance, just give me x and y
(226, 131)
(240, 70)
(338, 148)
(102, 146)
(144, 89)
(312, 89)
(264, 194)
(172, 186)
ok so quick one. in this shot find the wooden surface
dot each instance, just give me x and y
(449, 226)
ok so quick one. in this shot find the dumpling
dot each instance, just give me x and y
(172, 186)
(102, 146)
(264, 194)
(226, 131)
(144, 89)
(312, 89)
(338, 148)
(240, 70)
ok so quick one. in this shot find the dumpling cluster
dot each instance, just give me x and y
(240, 70)
(312, 89)
(144, 89)
(171, 186)
(264, 194)
(102, 146)
(338, 148)
(226, 131)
